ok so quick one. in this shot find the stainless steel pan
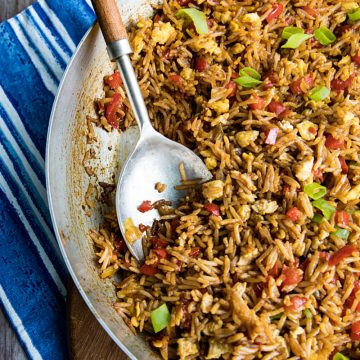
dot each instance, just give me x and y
(67, 181)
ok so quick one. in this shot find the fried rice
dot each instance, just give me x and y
(252, 264)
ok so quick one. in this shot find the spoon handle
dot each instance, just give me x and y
(119, 49)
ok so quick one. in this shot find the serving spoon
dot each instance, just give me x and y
(155, 159)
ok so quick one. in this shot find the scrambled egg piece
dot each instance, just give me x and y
(213, 190)
(162, 33)
(253, 19)
(353, 194)
(221, 106)
(138, 44)
(187, 347)
(307, 130)
(206, 303)
(303, 170)
(204, 43)
(217, 348)
(245, 138)
(264, 206)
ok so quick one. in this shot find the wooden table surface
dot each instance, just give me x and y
(10, 348)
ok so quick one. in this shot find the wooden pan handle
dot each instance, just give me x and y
(110, 20)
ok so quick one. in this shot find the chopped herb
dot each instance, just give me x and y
(340, 356)
(326, 209)
(295, 40)
(247, 81)
(291, 30)
(308, 313)
(341, 233)
(315, 190)
(248, 71)
(160, 318)
(354, 15)
(319, 93)
(324, 35)
(318, 219)
(197, 17)
(276, 317)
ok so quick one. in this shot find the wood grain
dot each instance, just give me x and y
(110, 20)
(87, 339)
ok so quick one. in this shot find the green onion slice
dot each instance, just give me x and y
(308, 313)
(197, 17)
(319, 93)
(248, 71)
(315, 190)
(276, 317)
(341, 233)
(318, 219)
(326, 209)
(340, 356)
(295, 40)
(160, 318)
(324, 35)
(354, 15)
(247, 81)
(291, 30)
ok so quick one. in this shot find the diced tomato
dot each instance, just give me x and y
(340, 85)
(276, 107)
(157, 18)
(355, 331)
(142, 227)
(276, 11)
(356, 59)
(149, 270)
(343, 164)
(310, 10)
(119, 244)
(294, 214)
(312, 130)
(145, 206)
(201, 64)
(161, 253)
(113, 81)
(175, 78)
(159, 243)
(274, 271)
(350, 300)
(231, 85)
(291, 276)
(341, 254)
(324, 255)
(296, 303)
(332, 143)
(271, 135)
(295, 86)
(213, 209)
(194, 252)
(270, 80)
(284, 114)
(234, 75)
(111, 109)
(342, 218)
(258, 102)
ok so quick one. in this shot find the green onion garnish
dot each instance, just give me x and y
(341, 233)
(340, 356)
(324, 35)
(295, 40)
(315, 190)
(160, 318)
(308, 313)
(276, 317)
(248, 71)
(354, 15)
(326, 209)
(291, 30)
(319, 93)
(197, 17)
(318, 219)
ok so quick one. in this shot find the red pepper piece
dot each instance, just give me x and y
(149, 270)
(294, 214)
(145, 206)
(276, 11)
(332, 143)
(111, 109)
(212, 208)
(258, 103)
(341, 254)
(113, 81)
(342, 218)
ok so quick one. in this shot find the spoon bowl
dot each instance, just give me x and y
(155, 159)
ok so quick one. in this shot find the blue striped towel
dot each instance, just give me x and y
(35, 47)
